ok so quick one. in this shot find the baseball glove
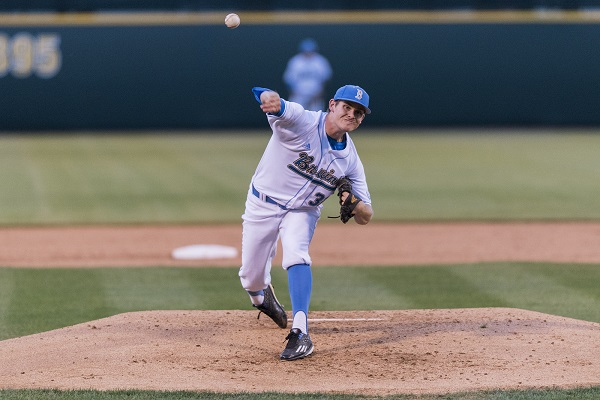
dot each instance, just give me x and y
(344, 185)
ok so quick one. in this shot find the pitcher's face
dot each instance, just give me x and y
(347, 116)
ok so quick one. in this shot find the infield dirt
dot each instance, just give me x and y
(377, 352)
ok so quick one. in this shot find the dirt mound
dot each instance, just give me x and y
(378, 352)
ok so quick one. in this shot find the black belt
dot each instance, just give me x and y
(266, 198)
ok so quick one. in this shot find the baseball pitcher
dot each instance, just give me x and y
(310, 155)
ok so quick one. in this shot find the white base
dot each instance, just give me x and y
(204, 251)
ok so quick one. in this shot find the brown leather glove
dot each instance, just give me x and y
(344, 185)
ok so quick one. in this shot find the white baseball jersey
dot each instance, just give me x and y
(306, 75)
(299, 169)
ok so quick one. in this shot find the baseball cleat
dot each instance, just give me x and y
(273, 308)
(298, 346)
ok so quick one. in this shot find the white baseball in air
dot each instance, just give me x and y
(232, 20)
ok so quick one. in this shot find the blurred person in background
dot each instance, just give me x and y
(306, 75)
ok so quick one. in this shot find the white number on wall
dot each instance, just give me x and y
(25, 55)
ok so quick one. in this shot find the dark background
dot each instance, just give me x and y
(140, 5)
(200, 76)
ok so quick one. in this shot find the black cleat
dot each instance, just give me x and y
(273, 308)
(298, 346)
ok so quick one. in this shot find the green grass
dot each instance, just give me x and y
(578, 394)
(45, 299)
(203, 178)
(121, 179)
(483, 175)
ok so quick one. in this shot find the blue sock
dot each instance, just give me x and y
(257, 297)
(300, 287)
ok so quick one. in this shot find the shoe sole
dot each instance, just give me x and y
(298, 357)
(283, 324)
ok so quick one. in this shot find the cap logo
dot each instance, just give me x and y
(359, 94)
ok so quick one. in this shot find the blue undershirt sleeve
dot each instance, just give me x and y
(259, 90)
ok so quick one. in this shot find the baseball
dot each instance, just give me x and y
(232, 20)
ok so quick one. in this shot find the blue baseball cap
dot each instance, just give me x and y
(308, 44)
(353, 94)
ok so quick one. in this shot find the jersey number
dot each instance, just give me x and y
(319, 198)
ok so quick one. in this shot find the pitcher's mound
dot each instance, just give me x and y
(366, 352)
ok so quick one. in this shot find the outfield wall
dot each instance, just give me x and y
(187, 71)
